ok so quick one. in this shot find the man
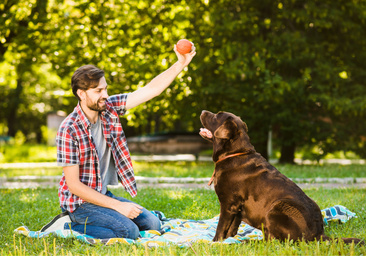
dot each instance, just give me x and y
(92, 149)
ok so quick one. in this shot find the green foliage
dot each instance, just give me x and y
(35, 207)
(295, 67)
(279, 64)
(19, 138)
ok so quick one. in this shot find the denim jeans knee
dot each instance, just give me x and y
(100, 222)
(146, 220)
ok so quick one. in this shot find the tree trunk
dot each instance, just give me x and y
(288, 154)
(13, 109)
(261, 148)
(157, 120)
(260, 140)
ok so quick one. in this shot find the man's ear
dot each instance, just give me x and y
(81, 94)
(227, 130)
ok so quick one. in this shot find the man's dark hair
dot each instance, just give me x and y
(85, 77)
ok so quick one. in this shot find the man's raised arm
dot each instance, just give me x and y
(160, 82)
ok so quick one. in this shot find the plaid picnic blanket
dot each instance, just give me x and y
(185, 232)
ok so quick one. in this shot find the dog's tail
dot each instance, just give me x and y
(356, 241)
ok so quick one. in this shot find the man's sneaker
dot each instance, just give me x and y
(57, 223)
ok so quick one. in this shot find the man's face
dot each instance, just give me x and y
(96, 97)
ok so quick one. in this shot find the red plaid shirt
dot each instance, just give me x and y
(76, 146)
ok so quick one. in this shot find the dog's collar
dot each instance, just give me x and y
(228, 156)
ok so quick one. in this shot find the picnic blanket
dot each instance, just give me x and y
(184, 232)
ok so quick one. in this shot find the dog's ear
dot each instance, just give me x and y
(245, 127)
(227, 130)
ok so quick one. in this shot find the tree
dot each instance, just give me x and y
(282, 64)
(21, 48)
(293, 67)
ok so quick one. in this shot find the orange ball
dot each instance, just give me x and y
(184, 46)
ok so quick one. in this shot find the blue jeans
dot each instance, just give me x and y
(100, 222)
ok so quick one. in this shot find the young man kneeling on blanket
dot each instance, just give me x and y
(92, 149)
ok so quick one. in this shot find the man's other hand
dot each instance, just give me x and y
(130, 210)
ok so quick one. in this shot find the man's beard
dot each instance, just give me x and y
(95, 106)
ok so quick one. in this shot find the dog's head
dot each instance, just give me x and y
(227, 132)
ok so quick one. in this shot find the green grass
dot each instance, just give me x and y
(174, 169)
(323, 171)
(27, 153)
(35, 207)
(44, 153)
(12, 153)
(14, 172)
(205, 169)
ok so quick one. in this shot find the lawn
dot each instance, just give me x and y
(27, 153)
(35, 207)
(205, 169)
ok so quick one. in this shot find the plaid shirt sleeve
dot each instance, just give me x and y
(67, 147)
(118, 102)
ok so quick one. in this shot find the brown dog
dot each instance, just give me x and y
(251, 190)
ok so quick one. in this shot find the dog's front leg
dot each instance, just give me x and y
(227, 221)
(233, 229)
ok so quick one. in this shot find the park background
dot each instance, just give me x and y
(293, 70)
